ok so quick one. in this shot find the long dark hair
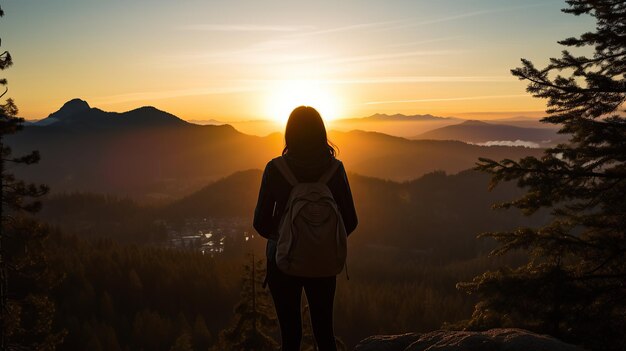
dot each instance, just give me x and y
(305, 134)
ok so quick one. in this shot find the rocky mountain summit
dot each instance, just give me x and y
(445, 340)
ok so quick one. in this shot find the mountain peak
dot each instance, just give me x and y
(77, 113)
(68, 109)
(147, 108)
(401, 117)
(473, 122)
(74, 106)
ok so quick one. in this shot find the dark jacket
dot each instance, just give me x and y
(275, 190)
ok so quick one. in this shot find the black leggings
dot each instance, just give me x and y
(286, 292)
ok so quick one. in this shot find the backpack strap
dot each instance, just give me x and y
(284, 169)
(331, 170)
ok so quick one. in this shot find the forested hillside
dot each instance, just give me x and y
(415, 241)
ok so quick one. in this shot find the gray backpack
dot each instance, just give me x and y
(312, 240)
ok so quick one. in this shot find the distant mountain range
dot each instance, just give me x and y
(482, 132)
(407, 126)
(381, 117)
(397, 124)
(205, 121)
(148, 153)
(378, 117)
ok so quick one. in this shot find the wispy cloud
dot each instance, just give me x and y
(352, 27)
(425, 41)
(244, 28)
(460, 16)
(166, 94)
(390, 56)
(236, 86)
(284, 51)
(465, 98)
(423, 79)
(468, 15)
(276, 51)
(374, 80)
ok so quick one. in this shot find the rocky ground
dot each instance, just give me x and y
(444, 340)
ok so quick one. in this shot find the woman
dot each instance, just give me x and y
(308, 154)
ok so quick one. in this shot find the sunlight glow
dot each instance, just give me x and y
(285, 95)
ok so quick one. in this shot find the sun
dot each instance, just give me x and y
(285, 95)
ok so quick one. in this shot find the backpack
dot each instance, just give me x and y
(312, 239)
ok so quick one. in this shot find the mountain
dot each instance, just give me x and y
(77, 115)
(436, 214)
(516, 119)
(231, 196)
(474, 131)
(436, 211)
(382, 156)
(68, 109)
(382, 117)
(524, 121)
(150, 154)
(205, 121)
(396, 124)
(143, 153)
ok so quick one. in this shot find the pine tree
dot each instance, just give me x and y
(25, 310)
(182, 343)
(201, 335)
(254, 322)
(574, 283)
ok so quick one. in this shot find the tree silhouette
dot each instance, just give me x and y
(573, 285)
(183, 343)
(201, 334)
(254, 321)
(25, 309)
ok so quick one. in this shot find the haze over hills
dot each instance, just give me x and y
(407, 126)
(378, 117)
(398, 117)
(148, 153)
(396, 124)
(473, 131)
(523, 121)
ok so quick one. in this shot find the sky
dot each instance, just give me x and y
(247, 60)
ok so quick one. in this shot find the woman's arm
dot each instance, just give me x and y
(263, 213)
(343, 197)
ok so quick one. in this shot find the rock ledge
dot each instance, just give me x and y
(445, 340)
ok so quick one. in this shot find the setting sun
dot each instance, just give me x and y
(288, 94)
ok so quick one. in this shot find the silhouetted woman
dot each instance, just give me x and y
(308, 154)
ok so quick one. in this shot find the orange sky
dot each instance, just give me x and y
(241, 61)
